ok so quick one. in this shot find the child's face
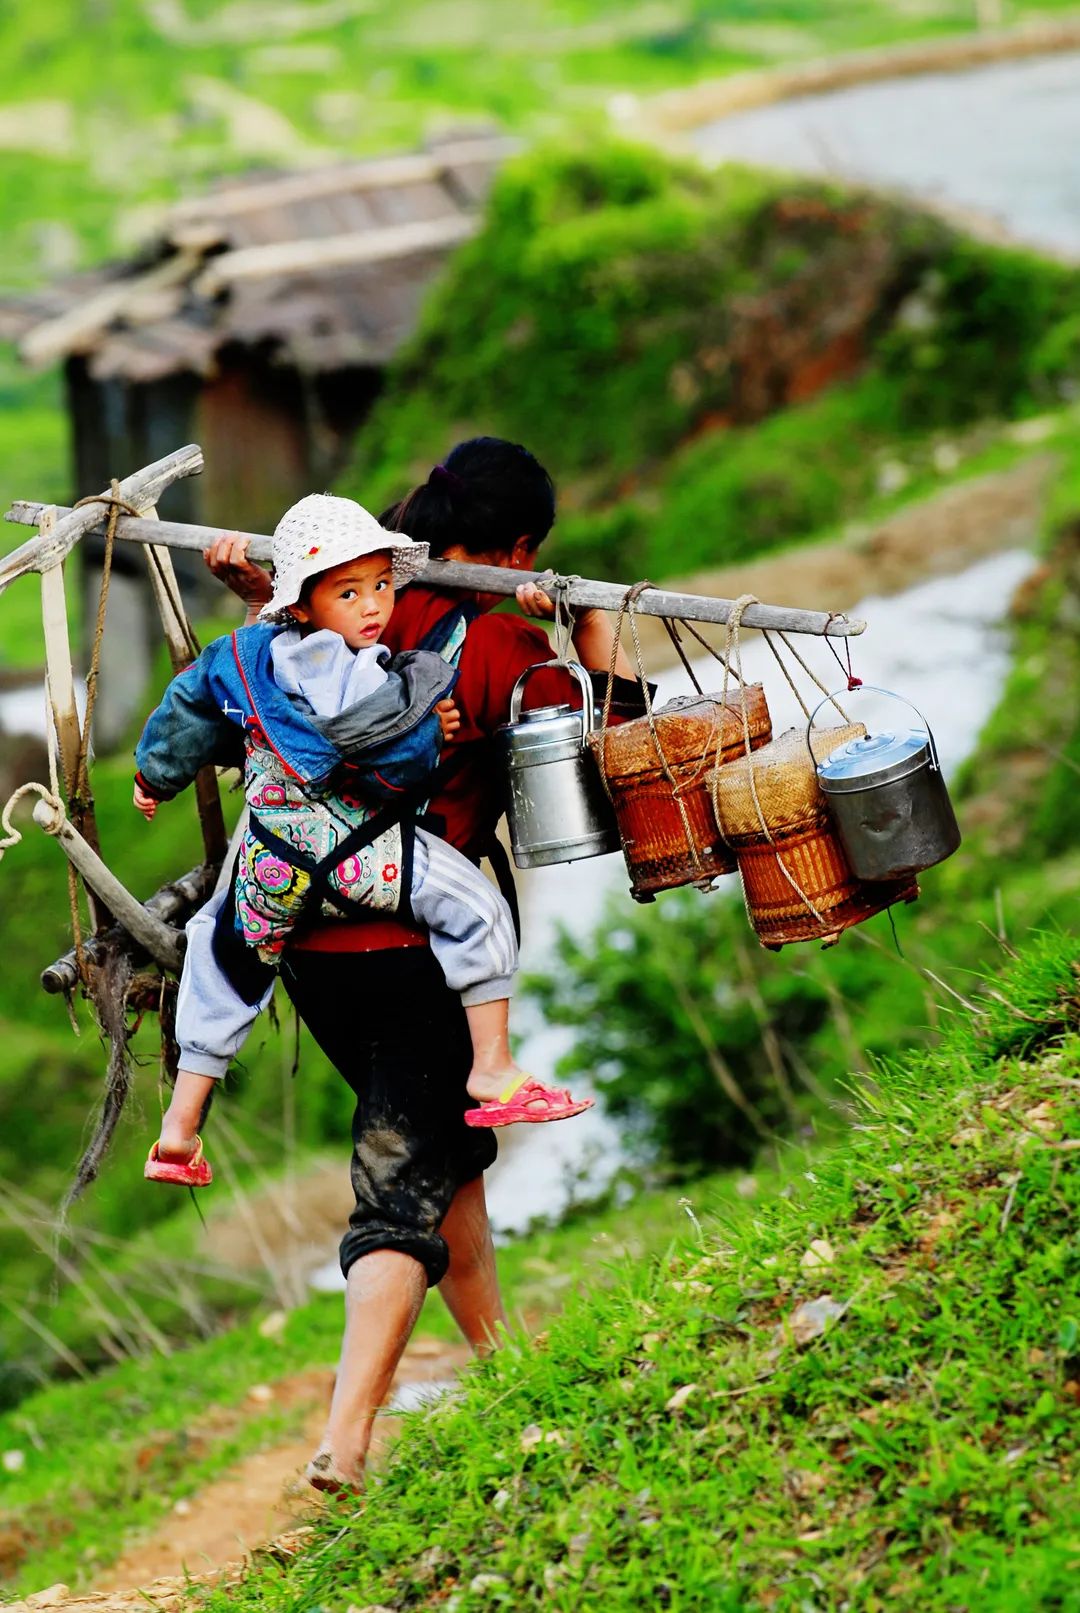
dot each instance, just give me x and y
(354, 599)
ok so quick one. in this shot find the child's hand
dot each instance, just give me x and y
(227, 559)
(144, 803)
(534, 602)
(449, 719)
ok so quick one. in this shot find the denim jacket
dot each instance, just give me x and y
(229, 698)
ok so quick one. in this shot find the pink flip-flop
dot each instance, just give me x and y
(193, 1172)
(531, 1102)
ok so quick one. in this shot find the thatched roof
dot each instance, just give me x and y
(325, 269)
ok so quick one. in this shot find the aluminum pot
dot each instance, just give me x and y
(888, 799)
(557, 807)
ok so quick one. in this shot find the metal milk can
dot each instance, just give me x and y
(557, 808)
(888, 799)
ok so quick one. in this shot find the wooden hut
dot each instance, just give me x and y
(258, 321)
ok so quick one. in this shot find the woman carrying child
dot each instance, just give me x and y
(370, 989)
(339, 739)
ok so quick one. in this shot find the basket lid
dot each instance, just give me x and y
(784, 788)
(875, 759)
(688, 728)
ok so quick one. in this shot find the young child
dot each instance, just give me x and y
(341, 743)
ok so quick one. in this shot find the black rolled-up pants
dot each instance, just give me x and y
(399, 1037)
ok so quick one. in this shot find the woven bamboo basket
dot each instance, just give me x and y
(660, 854)
(804, 850)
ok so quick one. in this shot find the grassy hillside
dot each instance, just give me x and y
(860, 1393)
(110, 1456)
(716, 363)
(859, 1385)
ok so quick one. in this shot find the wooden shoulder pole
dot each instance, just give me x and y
(584, 593)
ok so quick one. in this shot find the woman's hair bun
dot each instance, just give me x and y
(485, 495)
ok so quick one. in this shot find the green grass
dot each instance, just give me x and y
(111, 1455)
(692, 1436)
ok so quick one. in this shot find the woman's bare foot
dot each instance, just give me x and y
(324, 1473)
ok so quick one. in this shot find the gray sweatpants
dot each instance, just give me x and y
(472, 937)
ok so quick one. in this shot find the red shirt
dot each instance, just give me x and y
(496, 651)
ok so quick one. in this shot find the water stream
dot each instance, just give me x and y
(1000, 141)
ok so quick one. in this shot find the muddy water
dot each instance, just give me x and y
(999, 141)
(941, 644)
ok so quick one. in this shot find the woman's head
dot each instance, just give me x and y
(489, 500)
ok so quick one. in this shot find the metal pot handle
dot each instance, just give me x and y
(890, 694)
(578, 672)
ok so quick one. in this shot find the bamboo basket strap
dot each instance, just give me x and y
(734, 658)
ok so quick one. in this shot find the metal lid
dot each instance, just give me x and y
(544, 733)
(875, 759)
(545, 713)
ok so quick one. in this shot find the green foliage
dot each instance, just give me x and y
(644, 325)
(608, 283)
(731, 495)
(145, 102)
(859, 1392)
(674, 1006)
(1038, 816)
(33, 464)
(988, 331)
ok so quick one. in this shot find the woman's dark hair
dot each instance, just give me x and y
(485, 495)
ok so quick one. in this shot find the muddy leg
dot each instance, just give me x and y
(471, 1285)
(383, 1296)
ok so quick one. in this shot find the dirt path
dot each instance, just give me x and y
(261, 1500)
(264, 1495)
(933, 538)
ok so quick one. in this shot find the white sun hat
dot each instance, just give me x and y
(322, 531)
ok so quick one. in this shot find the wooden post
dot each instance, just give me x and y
(60, 683)
(170, 609)
(60, 680)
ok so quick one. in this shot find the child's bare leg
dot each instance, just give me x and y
(503, 1091)
(493, 1068)
(180, 1124)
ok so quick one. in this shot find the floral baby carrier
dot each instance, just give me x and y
(311, 852)
(293, 834)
